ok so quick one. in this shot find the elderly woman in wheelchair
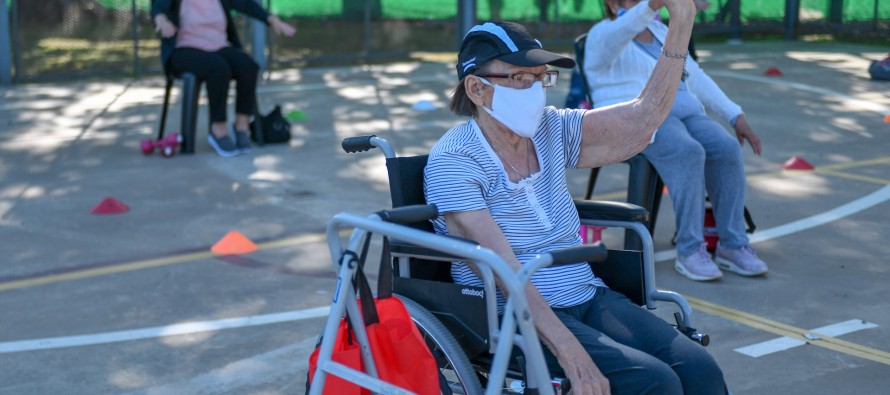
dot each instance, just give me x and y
(499, 180)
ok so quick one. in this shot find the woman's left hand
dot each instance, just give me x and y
(281, 27)
(744, 132)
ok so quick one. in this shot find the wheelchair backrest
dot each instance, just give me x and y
(406, 182)
(406, 188)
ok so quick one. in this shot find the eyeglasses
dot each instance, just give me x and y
(525, 79)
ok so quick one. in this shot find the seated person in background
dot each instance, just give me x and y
(199, 36)
(691, 151)
(500, 180)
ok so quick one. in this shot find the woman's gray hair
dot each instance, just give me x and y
(460, 100)
(461, 103)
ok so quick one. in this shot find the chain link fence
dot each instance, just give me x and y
(65, 39)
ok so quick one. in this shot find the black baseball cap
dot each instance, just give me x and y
(506, 41)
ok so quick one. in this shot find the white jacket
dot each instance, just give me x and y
(617, 69)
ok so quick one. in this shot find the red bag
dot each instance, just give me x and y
(400, 353)
(346, 352)
(401, 356)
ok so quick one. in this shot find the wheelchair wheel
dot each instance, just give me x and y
(456, 374)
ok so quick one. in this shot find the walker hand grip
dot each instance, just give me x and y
(588, 253)
(409, 214)
(357, 144)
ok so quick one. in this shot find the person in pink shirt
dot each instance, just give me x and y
(199, 36)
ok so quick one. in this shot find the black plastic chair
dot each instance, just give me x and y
(644, 185)
(191, 91)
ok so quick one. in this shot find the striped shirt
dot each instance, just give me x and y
(536, 215)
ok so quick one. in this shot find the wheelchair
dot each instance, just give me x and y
(460, 323)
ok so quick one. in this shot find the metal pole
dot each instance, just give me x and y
(466, 18)
(874, 19)
(735, 22)
(366, 44)
(836, 11)
(5, 47)
(135, 19)
(792, 19)
(259, 42)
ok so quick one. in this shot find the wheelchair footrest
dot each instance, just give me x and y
(692, 333)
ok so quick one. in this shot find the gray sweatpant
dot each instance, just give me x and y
(694, 154)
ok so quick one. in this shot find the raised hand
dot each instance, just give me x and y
(164, 27)
(280, 27)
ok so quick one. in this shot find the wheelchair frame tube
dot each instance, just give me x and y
(483, 257)
(384, 146)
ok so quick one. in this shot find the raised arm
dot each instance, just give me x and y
(614, 133)
(586, 378)
(606, 40)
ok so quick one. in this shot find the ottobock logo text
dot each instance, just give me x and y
(472, 292)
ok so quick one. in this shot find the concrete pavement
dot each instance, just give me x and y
(117, 284)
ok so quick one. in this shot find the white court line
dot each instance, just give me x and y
(160, 331)
(850, 208)
(879, 108)
(785, 343)
(853, 207)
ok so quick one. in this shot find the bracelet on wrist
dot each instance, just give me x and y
(674, 55)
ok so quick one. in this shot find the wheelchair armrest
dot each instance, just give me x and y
(612, 211)
(586, 253)
(405, 248)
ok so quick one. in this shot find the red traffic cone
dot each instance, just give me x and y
(772, 72)
(797, 163)
(109, 206)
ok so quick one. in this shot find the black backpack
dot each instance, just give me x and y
(271, 128)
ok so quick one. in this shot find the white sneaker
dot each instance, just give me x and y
(742, 261)
(699, 266)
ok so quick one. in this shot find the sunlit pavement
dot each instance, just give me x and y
(135, 302)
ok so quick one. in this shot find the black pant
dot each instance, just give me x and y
(216, 69)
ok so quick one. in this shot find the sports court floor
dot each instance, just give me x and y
(136, 302)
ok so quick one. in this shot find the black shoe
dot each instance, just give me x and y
(242, 141)
(223, 145)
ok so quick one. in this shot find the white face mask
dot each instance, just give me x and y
(520, 110)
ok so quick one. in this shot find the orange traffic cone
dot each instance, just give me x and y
(109, 205)
(234, 243)
(887, 118)
(797, 163)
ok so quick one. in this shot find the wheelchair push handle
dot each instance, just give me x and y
(357, 144)
(587, 253)
(409, 214)
(364, 143)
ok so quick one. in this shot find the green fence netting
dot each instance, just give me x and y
(566, 10)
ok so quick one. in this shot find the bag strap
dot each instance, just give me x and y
(384, 274)
(366, 298)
